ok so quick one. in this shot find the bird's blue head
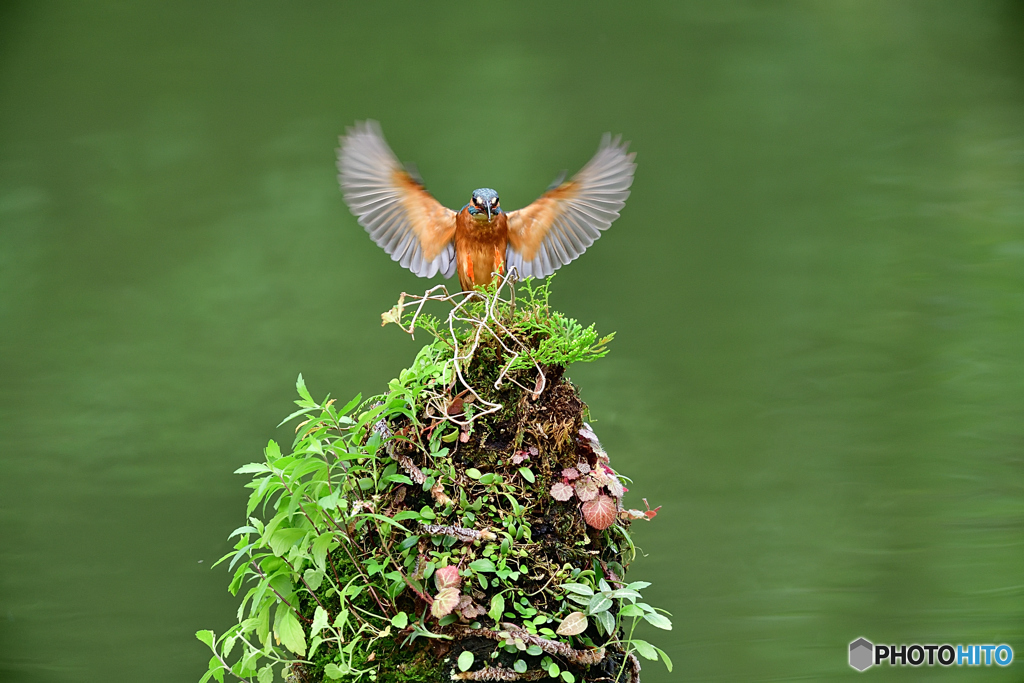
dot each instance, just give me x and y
(485, 200)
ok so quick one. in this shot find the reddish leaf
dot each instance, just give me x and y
(447, 577)
(600, 512)
(445, 602)
(586, 488)
(583, 467)
(472, 610)
(570, 473)
(560, 491)
(651, 513)
(573, 625)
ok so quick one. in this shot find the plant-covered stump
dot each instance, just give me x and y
(465, 525)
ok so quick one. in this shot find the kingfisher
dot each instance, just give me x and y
(481, 240)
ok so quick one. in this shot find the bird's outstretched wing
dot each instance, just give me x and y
(567, 219)
(401, 216)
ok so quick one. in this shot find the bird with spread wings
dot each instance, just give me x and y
(481, 239)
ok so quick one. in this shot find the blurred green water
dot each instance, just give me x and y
(818, 285)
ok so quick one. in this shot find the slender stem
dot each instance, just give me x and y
(279, 596)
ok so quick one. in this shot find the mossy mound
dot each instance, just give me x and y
(466, 525)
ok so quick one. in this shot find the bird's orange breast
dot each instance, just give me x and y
(479, 248)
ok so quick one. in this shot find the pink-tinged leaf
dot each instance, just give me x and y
(447, 577)
(534, 451)
(573, 625)
(520, 456)
(600, 512)
(472, 610)
(615, 487)
(445, 602)
(633, 514)
(583, 467)
(651, 514)
(561, 491)
(600, 476)
(570, 473)
(586, 488)
(587, 433)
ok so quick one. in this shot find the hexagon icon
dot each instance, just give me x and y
(861, 651)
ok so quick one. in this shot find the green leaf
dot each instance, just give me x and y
(578, 588)
(253, 467)
(206, 637)
(607, 621)
(400, 620)
(599, 603)
(266, 674)
(520, 666)
(320, 620)
(313, 578)
(283, 539)
(568, 677)
(473, 473)
(534, 650)
(427, 512)
(300, 386)
(497, 607)
(638, 585)
(631, 611)
(290, 632)
(216, 669)
(527, 474)
(664, 658)
(658, 621)
(482, 565)
(301, 411)
(272, 451)
(321, 546)
(263, 624)
(624, 593)
(645, 649)
(386, 520)
(465, 660)
(332, 671)
(553, 670)
(350, 405)
(314, 644)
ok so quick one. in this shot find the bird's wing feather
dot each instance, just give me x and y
(400, 215)
(564, 221)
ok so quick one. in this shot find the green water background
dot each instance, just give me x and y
(817, 283)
